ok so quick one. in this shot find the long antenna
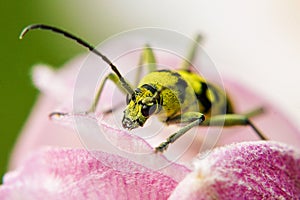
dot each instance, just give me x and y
(91, 48)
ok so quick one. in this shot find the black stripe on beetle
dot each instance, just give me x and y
(181, 86)
(203, 98)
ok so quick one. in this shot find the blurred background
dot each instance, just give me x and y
(256, 43)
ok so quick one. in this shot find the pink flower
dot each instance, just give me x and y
(248, 170)
(119, 165)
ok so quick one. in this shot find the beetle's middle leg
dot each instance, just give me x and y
(147, 58)
(190, 57)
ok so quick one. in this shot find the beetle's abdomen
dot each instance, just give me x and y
(212, 99)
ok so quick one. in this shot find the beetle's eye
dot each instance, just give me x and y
(148, 110)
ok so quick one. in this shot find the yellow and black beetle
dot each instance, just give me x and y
(174, 96)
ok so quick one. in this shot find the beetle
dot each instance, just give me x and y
(174, 96)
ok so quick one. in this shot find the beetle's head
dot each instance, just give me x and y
(144, 102)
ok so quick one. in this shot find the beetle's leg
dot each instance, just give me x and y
(254, 112)
(192, 118)
(115, 80)
(147, 57)
(233, 120)
(188, 60)
(113, 77)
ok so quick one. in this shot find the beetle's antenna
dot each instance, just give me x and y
(124, 83)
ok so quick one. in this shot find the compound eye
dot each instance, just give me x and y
(148, 110)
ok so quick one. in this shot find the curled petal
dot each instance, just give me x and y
(248, 170)
(100, 136)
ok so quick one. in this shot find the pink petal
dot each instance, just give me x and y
(77, 174)
(248, 170)
(40, 131)
(101, 136)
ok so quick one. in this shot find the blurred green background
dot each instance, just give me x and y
(17, 57)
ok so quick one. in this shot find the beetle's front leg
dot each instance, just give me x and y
(192, 118)
(96, 99)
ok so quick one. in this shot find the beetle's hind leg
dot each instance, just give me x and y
(227, 120)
